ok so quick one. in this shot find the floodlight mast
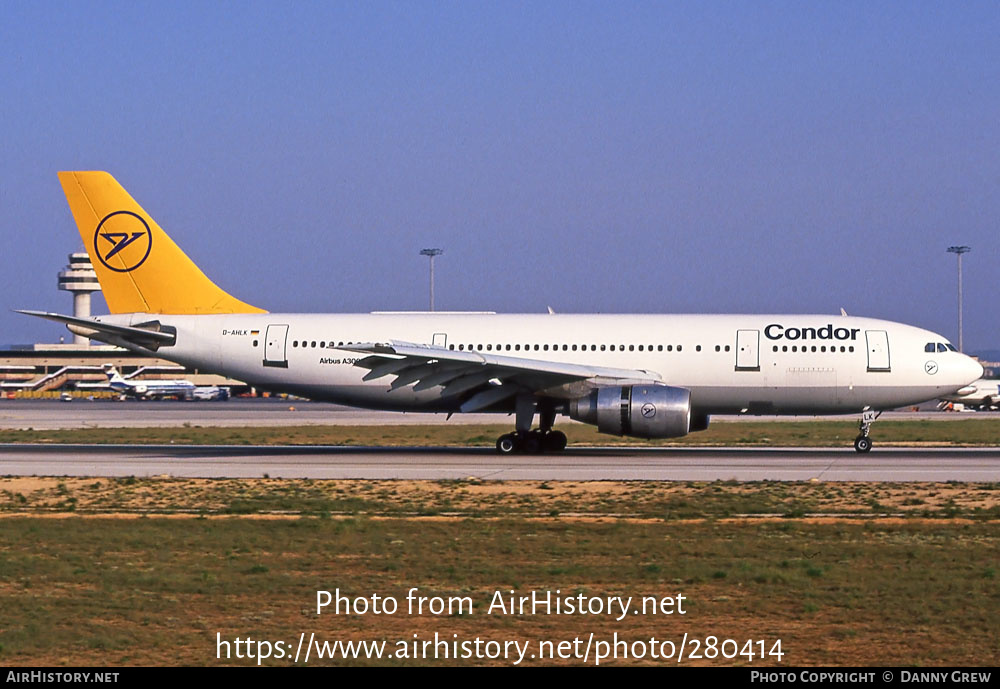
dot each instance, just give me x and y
(431, 253)
(959, 250)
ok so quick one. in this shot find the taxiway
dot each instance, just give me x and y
(660, 464)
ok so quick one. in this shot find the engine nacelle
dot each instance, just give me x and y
(140, 389)
(643, 411)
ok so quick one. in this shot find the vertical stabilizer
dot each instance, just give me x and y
(139, 267)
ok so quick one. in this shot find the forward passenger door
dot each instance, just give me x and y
(747, 350)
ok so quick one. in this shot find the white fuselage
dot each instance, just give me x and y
(757, 364)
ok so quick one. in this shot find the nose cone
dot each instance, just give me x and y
(975, 369)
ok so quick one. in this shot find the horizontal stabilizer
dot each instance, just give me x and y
(150, 337)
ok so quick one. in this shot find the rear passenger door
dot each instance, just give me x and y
(275, 342)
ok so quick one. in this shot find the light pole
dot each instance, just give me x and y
(431, 253)
(959, 250)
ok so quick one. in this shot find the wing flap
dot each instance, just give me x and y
(500, 361)
(490, 396)
(486, 377)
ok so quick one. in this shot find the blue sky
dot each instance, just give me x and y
(592, 156)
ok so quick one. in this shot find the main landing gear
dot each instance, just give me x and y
(527, 441)
(863, 443)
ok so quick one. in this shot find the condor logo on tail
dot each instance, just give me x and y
(123, 235)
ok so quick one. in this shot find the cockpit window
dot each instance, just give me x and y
(942, 348)
(929, 347)
(952, 347)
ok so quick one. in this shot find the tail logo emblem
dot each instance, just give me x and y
(125, 237)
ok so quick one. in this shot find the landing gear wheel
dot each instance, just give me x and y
(863, 443)
(555, 441)
(507, 444)
(532, 443)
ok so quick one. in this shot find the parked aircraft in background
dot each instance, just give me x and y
(649, 376)
(983, 394)
(156, 389)
(147, 389)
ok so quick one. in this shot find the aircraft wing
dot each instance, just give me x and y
(485, 378)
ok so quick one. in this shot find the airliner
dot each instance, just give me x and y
(646, 376)
(158, 389)
(983, 394)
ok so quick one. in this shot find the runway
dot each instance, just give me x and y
(82, 413)
(701, 464)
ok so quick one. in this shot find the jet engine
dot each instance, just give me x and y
(140, 389)
(642, 411)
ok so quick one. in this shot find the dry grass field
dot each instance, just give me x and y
(117, 572)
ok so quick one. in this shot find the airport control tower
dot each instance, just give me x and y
(80, 279)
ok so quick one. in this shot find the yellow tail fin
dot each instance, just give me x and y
(139, 267)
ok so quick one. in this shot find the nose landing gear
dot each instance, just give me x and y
(863, 443)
